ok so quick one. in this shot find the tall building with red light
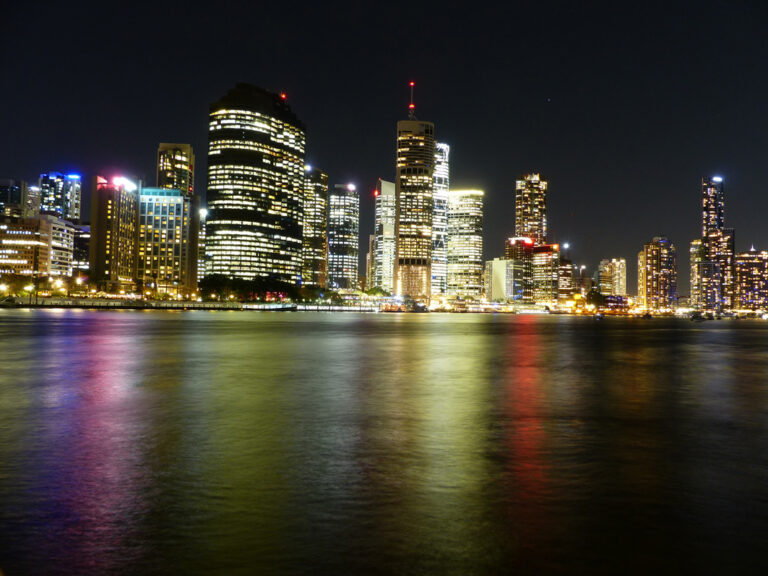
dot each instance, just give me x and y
(114, 233)
(414, 188)
(520, 250)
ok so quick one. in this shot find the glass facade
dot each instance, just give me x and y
(440, 219)
(546, 273)
(256, 150)
(176, 167)
(60, 195)
(531, 208)
(343, 237)
(384, 233)
(465, 243)
(315, 242)
(612, 276)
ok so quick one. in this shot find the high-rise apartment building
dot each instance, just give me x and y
(531, 208)
(37, 246)
(167, 247)
(315, 237)
(414, 189)
(442, 182)
(60, 195)
(612, 277)
(657, 275)
(114, 233)
(256, 150)
(465, 243)
(385, 215)
(343, 236)
(713, 283)
(752, 280)
(176, 167)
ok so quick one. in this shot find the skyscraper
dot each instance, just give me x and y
(60, 195)
(612, 277)
(712, 256)
(384, 232)
(176, 167)
(521, 250)
(255, 187)
(167, 256)
(114, 231)
(13, 197)
(414, 187)
(546, 273)
(440, 218)
(343, 236)
(657, 274)
(531, 208)
(315, 242)
(752, 280)
(465, 243)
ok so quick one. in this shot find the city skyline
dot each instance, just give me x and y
(596, 131)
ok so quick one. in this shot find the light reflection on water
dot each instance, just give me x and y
(144, 442)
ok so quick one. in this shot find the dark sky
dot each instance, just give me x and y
(622, 108)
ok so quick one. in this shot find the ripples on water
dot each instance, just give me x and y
(242, 443)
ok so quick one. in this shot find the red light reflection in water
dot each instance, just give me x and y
(526, 434)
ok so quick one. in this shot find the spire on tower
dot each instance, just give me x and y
(412, 106)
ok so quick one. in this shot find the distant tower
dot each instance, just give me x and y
(384, 232)
(315, 243)
(176, 167)
(343, 236)
(414, 185)
(612, 277)
(465, 243)
(440, 218)
(657, 274)
(60, 195)
(531, 208)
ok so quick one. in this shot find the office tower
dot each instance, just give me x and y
(315, 241)
(13, 197)
(201, 259)
(255, 187)
(81, 249)
(612, 277)
(531, 208)
(369, 263)
(752, 280)
(60, 195)
(712, 256)
(465, 243)
(176, 167)
(505, 280)
(385, 215)
(32, 202)
(114, 232)
(546, 273)
(167, 255)
(343, 236)
(521, 250)
(440, 218)
(414, 185)
(657, 275)
(565, 284)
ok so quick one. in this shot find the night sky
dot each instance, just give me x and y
(622, 109)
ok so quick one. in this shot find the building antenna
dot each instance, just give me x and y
(412, 106)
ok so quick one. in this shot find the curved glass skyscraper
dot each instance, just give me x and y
(256, 148)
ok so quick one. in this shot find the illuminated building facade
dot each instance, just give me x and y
(167, 255)
(114, 233)
(465, 243)
(25, 246)
(752, 280)
(315, 241)
(60, 195)
(565, 283)
(32, 202)
(657, 275)
(13, 197)
(546, 273)
(385, 215)
(531, 208)
(521, 250)
(612, 277)
(713, 282)
(414, 186)
(176, 167)
(256, 149)
(440, 218)
(505, 280)
(343, 237)
(201, 258)
(81, 249)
